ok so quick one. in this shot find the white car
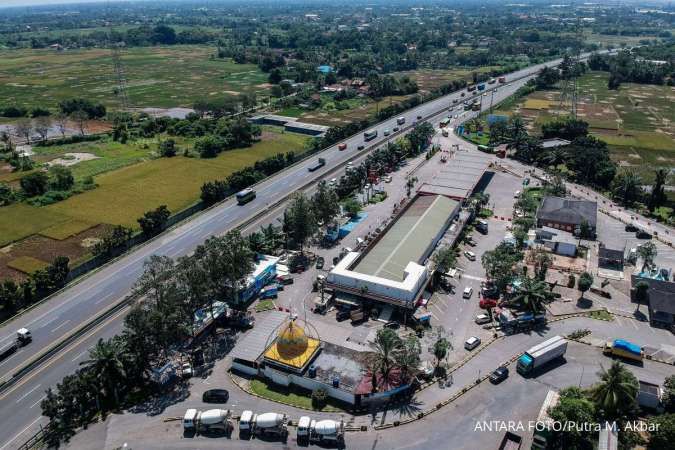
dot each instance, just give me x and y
(472, 343)
(516, 194)
(471, 256)
(482, 319)
(467, 292)
(186, 370)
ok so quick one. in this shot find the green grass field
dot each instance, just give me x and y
(156, 76)
(27, 264)
(125, 193)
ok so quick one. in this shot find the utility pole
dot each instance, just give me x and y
(118, 67)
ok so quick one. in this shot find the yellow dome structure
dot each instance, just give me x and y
(292, 347)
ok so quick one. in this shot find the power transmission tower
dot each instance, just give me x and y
(569, 89)
(118, 67)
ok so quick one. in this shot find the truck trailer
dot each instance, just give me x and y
(317, 165)
(541, 354)
(624, 349)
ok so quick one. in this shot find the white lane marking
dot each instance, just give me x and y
(102, 299)
(39, 400)
(28, 393)
(79, 355)
(6, 360)
(64, 323)
(20, 433)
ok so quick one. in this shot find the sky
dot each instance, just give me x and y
(46, 2)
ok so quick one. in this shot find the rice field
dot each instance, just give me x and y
(156, 76)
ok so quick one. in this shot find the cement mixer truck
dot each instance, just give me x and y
(210, 420)
(267, 424)
(320, 431)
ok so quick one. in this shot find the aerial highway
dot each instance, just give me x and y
(78, 303)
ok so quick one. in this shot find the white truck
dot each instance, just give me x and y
(210, 420)
(541, 354)
(23, 337)
(320, 431)
(274, 424)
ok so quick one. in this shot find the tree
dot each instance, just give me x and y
(34, 183)
(517, 133)
(531, 294)
(384, 347)
(441, 348)
(626, 187)
(61, 178)
(154, 221)
(573, 408)
(214, 191)
(167, 148)
(542, 262)
(664, 436)
(209, 146)
(299, 220)
(647, 252)
(42, 126)
(658, 195)
(325, 203)
(498, 264)
(7, 195)
(615, 396)
(445, 259)
(61, 121)
(80, 118)
(409, 184)
(420, 137)
(107, 365)
(585, 282)
(352, 207)
(668, 399)
(642, 292)
(407, 357)
(24, 128)
(273, 238)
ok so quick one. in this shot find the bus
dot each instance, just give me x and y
(245, 196)
(444, 123)
(368, 135)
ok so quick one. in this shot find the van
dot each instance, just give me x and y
(467, 292)
(471, 256)
(400, 120)
(471, 343)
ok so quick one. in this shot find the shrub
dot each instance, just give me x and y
(319, 398)
(571, 281)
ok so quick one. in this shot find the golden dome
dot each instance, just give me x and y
(291, 341)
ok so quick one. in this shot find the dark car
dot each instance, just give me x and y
(631, 228)
(500, 374)
(361, 147)
(419, 117)
(320, 262)
(391, 324)
(343, 315)
(641, 234)
(396, 129)
(215, 396)
(285, 279)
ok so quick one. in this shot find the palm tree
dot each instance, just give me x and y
(106, 363)
(441, 348)
(554, 157)
(385, 347)
(626, 186)
(647, 252)
(616, 393)
(532, 293)
(408, 357)
(658, 195)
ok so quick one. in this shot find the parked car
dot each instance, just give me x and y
(186, 370)
(472, 343)
(343, 315)
(471, 242)
(320, 262)
(471, 256)
(285, 279)
(516, 194)
(482, 319)
(392, 324)
(500, 374)
(215, 396)
(642, 234)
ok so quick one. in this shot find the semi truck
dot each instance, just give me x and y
(541, 354)
(624, 349)
(23, 337)
(267, 424)
(510, 441)
(311, 430)
(317, 165)
(209, 420)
